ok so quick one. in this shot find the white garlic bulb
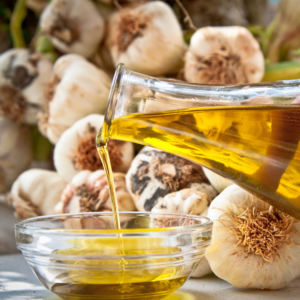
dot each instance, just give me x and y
(88, 192)
(147, 39)
(36, 192)
(15, 152)
(74, 26)
(154, 174)
(186, 201)
(76, 89)
(253, 245)
(223, 55)
(220, 183)
(202, 269)
(76, 149)
(23, 78)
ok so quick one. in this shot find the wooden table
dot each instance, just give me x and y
(17, 282)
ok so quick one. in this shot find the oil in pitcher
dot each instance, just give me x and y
(247, 133)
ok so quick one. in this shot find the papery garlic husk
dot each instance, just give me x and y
(23, 76)
(186, 201)
(154, 174)
(147, 39)
(15, 152)
(36, 192)
(220, 183)
(88, 192)
(223, 55)
(74, 26)
(253, 244)
(36, 5)
(76, 149)
(76, 89)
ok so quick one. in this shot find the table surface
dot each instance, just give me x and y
(17, 281)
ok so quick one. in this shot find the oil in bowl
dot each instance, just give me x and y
(82, 256)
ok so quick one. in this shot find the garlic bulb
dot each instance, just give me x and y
(202, 269)
(76, 149)
(147, 39)
(218, 182)
(36, 192)
(186, 201)
(223, 55)
(23, 78)
(76, 89)
(88, 192)
(154, 174)
(15, 152)
(253, 245)
(74, 26)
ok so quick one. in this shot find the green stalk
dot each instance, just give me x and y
(286, 70)
(16, 21)
(283, 34)
(42, 148)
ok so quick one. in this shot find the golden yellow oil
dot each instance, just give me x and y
(105, 279)
(254, 146)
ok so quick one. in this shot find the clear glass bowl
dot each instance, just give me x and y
(82, 256)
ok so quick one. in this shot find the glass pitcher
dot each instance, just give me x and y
(247, 133)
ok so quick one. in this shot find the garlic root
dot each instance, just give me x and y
(147, 39)
(76, 89)
(223, 55)
(88, 192)
(74, 26)
(35, 193)
(253, 245)
(76, 149)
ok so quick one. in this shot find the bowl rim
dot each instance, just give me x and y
(24, 224)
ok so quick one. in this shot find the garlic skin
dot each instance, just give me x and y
(202, 269)
(23, 78)
(223, 55)
(76, 89)
(74, 26)
(88, 192)
(15, 152)
(154, 174)
(228, 256)
(147, 39)
(220, 183)
(186, 201)
(36, 192)
(76, 149)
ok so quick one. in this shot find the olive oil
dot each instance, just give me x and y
(254, 146)
(103, 279)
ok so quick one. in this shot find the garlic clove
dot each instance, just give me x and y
(23, 78)
(218, 182)
(223, 55)
(15, 152)
(147, 39)
(202, 269)
(36, 192)
(257, 243)
(76, 149)
(186, 201)
(154, 174)
(76, 89)
(74, 26)
(88, 192)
